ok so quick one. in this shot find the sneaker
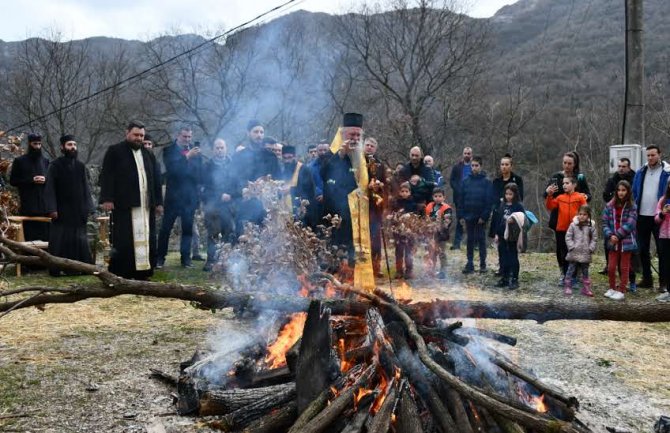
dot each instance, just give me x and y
(207, 267)
(441, 275)
(160, 264)
(513, 284)
(187, 265)
(663, 297)
(455, 247)
(632, 288)
(617, 296)
(604, 272)
(561, 281)
(502, 283)
(468, 270)
(609, 292)
(498, 273)
(482, 270)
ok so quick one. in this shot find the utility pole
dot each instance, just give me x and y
(633, 126)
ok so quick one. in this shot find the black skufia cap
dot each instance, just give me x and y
(65, 138)
(285, 150)
(34, 137)
(352, 120)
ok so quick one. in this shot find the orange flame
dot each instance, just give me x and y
(342, 351)
(404, 291)
(305, 286)
(358, 395)
(383, 385)
(539, 404)
(286, 338)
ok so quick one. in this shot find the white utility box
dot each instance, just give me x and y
(634, 152)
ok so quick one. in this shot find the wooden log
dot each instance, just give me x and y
(221, 402)
(164, 377)
(359, 419)
(321, 421)
(508, 426)
(444, 333)
(407, 419)
(317, 405)
(317, 364)
(267, 378)
(275, 421)
(490, 422)
(244, 416)
(485, 333)
(292, 355)
(382, 419)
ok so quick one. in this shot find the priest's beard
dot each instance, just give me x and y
(357, 158)
(34, 153)
(72, 154)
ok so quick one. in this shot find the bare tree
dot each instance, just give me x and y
(417, 57)
(49, 79)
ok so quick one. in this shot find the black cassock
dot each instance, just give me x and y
(31, 194)
(338, 182)
(68, 193)
(119, 184)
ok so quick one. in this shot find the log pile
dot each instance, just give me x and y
(375, 372)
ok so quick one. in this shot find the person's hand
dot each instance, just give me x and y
(159, 210)
(552, 188)
(319, 198)
(614, 239)
(108, 206)
(53, 215)
(193, 153)
(480, 221)
(666, 209)
(39, 179)
(495, 238)
(225, 197)
(510, 220)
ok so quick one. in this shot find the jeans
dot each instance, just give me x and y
(476, 233)
(185, 214)
(574, 268)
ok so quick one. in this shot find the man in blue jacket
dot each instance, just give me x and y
(476, 203)
(649, 186)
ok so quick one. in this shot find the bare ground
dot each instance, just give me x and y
(84, 367)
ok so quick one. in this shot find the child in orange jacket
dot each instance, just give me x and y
(568, 205)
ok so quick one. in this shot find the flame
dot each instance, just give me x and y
(383, 386)
(404, 291)
(342, 350)
(397, 373)
(539, 404)
(286, 338)
(358, 395)
(305, 286)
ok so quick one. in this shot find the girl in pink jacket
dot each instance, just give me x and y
(663, 219)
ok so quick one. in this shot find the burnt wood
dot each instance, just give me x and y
(275, 421)
(221, 402)
(408, 420)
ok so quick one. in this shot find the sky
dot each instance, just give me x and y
(145, 19)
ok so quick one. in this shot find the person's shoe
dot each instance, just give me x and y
(632, 287)
(513, 284)
(198, 258)
(498, 273)
(187, 265)
(398, 275)
(468, 270)
(207, 267)
(646, 283)
(455, 247)
(409, 275)
(567, 291)
(609, 292)
(441, 275)
(604, 272)
(502, 282)
(482, 270)
(160, 264)
(379, 274)
(617, 296)
(561, 281)
(586, 289)
(663, 297)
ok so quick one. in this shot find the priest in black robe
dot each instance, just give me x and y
(339, 180)
(130, 188)
(28, 175)
(68, 203)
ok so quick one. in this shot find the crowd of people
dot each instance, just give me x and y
(135, 190)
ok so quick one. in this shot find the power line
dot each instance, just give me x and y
(152, 68)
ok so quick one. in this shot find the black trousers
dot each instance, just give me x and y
(476, 234)
(220, 223)
(561, 251)
(646, 229)
(509, 259)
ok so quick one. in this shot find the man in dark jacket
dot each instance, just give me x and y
(218, 195)
(29, 176)
(476, 201)
(416, 166)
(68, 202)
(130, 188)
(183, 170)
(459, 172)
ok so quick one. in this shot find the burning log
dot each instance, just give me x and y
(382, 420)
(271, 377)
(476, 332)
(224, 401)
(408, 420)
(275, 421)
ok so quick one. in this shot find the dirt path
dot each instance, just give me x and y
(84, 367)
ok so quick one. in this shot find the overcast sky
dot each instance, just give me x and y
(144, 19)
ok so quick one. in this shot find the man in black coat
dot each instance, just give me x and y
(130, 188)
(29, 176)
(416, 166)
(183, 171)
(68, 202)
(219, 192)
(459, 172)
